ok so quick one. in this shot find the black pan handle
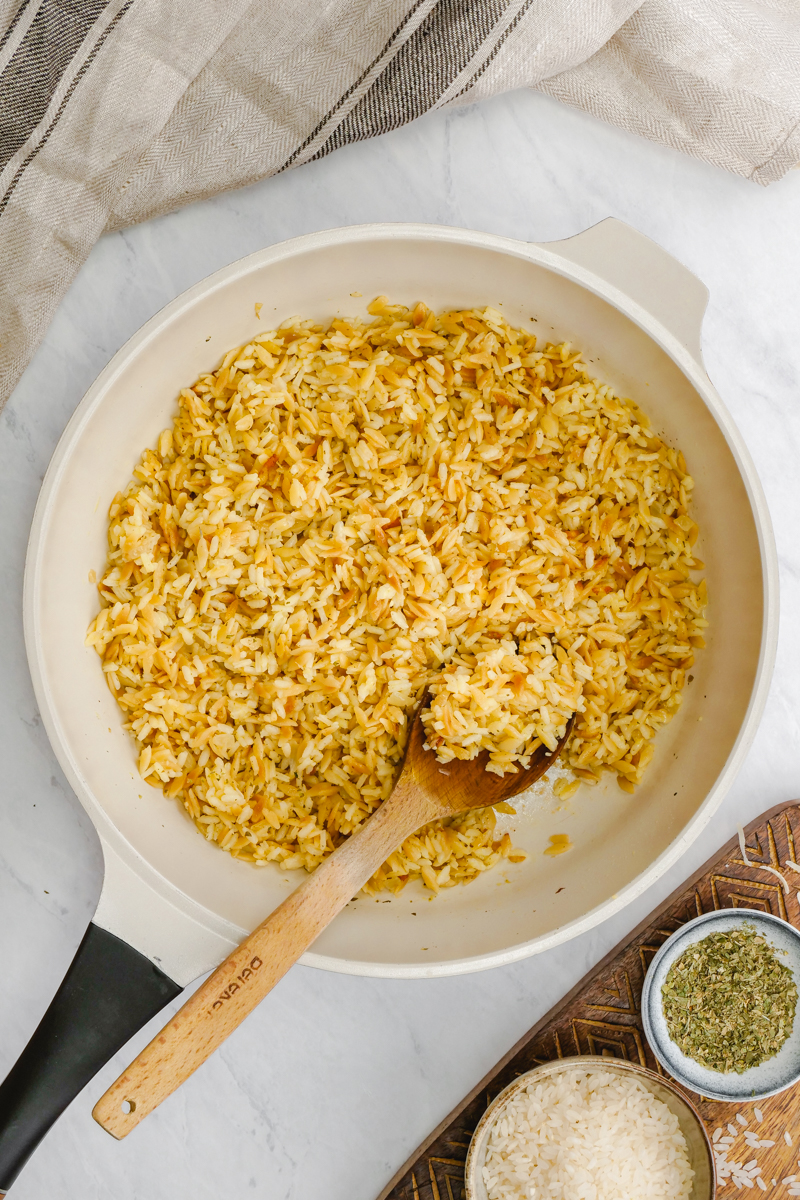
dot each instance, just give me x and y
(108, 994)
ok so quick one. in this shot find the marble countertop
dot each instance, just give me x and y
(333, 1082)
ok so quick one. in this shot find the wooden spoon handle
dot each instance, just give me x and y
(253, 969)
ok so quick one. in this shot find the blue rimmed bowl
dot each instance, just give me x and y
(772, 1076)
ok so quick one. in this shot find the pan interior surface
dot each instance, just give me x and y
(617, 838)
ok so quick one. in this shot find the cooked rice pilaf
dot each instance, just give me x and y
(342, 516)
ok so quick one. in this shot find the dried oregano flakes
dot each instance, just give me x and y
(728, 1001)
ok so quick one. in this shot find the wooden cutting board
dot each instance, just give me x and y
(602, 1016)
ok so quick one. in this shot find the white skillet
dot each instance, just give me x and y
(171, 900)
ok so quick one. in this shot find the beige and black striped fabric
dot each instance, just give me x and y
(113, 111)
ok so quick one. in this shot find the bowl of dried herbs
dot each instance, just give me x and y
(719, 1005)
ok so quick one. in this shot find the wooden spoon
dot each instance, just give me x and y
(426, 790)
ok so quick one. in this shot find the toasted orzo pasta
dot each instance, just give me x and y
(342, 516)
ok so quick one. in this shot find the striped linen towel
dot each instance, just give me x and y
(113, 111)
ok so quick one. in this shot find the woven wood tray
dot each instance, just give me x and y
(602, 1016)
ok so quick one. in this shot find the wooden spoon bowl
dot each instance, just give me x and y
(461, 784)
(426, 790)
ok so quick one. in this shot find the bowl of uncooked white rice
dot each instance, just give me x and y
(590, 1128)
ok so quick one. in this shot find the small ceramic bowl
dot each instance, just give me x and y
(701, 1158)
(774, 1075)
